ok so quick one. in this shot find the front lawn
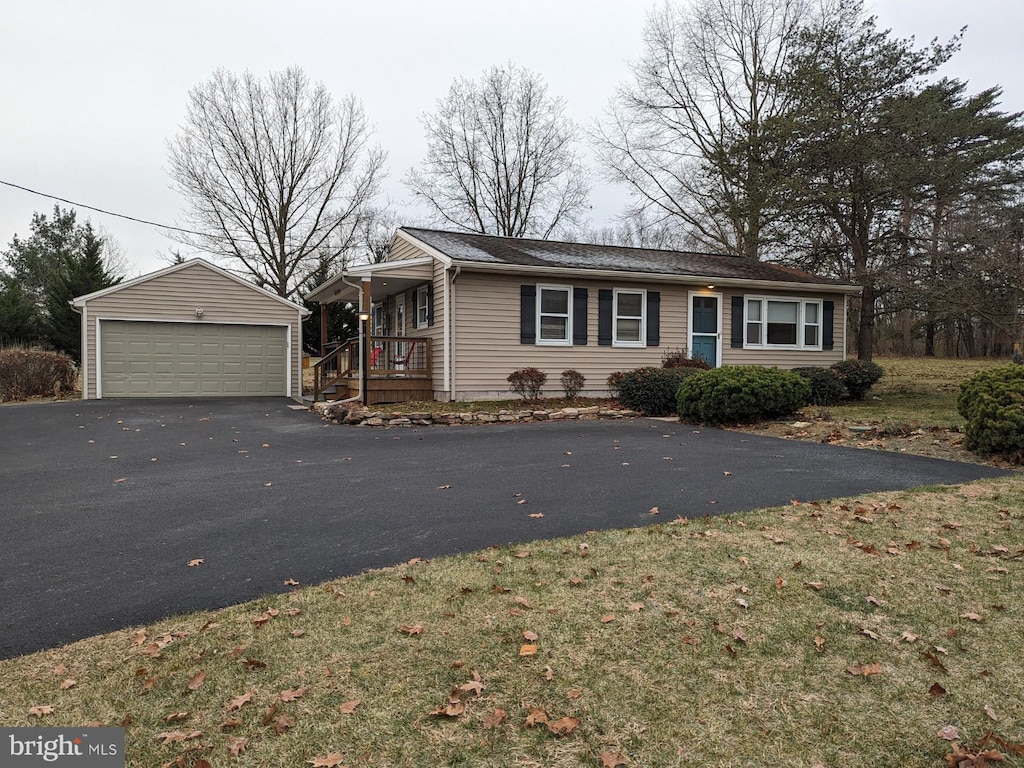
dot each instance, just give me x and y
(884, 630)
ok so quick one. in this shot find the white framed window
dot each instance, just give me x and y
(782, 322)
(554, 314)
(422, 310)
(629, 318)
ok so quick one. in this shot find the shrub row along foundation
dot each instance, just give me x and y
(346, 413)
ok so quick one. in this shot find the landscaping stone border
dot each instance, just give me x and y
(358, 415)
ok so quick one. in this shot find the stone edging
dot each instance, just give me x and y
(348, 413)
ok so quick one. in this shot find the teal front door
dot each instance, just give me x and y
(705, 328)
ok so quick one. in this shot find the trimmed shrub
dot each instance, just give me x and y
(613, 381)
(858, 376)
(741, 394)
(680, 358)
(992, 402)
(527, 382)
(28, 373)
(572, 383)
(826, 386)
(652, 390)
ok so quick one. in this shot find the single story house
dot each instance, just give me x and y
(451, 314)
(190, 330)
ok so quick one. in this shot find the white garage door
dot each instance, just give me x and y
(149, 359)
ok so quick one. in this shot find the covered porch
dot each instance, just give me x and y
(382, 363)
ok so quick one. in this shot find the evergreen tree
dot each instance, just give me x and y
(19, 316)
(85, 273)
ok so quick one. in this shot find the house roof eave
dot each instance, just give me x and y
(791, 285)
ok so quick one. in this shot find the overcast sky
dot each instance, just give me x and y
(90, 92)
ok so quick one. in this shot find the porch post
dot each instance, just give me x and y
(323, 328)
(365, 302)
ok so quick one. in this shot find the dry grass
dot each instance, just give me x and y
(720, 641)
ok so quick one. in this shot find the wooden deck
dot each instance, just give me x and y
(399, 371)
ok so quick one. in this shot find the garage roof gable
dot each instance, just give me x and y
(80, 301)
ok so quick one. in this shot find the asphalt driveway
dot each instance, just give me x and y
(103, 504)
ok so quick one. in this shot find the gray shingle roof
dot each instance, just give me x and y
(490, 249)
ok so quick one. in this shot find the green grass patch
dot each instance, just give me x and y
(788, 636)
(915, 390)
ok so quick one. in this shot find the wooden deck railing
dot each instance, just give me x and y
(390, 357)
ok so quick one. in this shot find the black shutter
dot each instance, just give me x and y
(604, 317)
(828, 311)
(736, 339)
(527, 314)
(653, 318)
(415, 307)
(579, 316)
(430, 304)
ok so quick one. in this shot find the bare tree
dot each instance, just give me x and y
(274, 173)
(501, 158)
(686, 135)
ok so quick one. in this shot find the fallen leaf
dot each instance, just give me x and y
(60, 669)
(443, 487)
(873, 600)
(240, 701)
(298, 632)
(937, 690)
(530, 636)
(291, 694)
(653, 511)
(291, 583)
(522, 554)
(990, 712)
(865, 669)
(411, 629)
(170, 736)
(527, 650)
(521, 501)
(549, 673)
(522, 601)
(742, 603)
(282, 723)
(868, 633)
(970, 616)
(817, 586)
(536, 515)
(819, 643)
(948, 732)
(67, 684)
(563, 726)
(495, 718)
(608, 618)
(573, 693)
(635, 607)
(39, 711)
(348, 707)
(175, 717)
(536, 716)
(197, 680)
(612, 759)
(237, 745)
(195, 562)
(474, 687)
(909, 637)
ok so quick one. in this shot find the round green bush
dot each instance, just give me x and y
(652, 390)
(741, 394)
(992, 402)
(858, 376)
(826, 386)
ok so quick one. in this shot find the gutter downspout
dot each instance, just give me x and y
(449, 331)
(85, 357)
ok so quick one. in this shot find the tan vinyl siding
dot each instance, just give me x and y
(176, 296)
(488, 346)
(403, 249)
(785, 358)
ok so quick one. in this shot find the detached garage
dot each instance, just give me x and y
(191, 330)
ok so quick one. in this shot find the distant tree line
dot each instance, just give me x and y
(784, 130)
